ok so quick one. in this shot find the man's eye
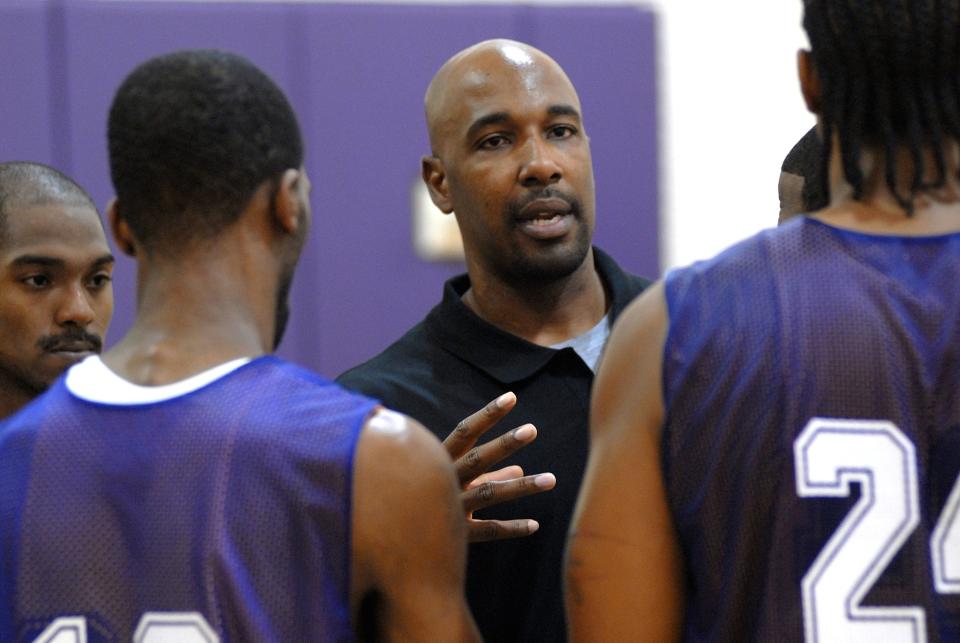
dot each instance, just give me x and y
(100, 280)
(562, 131)
(493, 142)
(37, 281)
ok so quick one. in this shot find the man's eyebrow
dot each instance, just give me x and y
(54, 262)
(564, 110)
(484, 121)
(38, 260)
(105, 260)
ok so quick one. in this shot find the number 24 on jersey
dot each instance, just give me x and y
(829, 455)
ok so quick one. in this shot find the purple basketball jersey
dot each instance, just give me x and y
(812, 437)
(222, 514)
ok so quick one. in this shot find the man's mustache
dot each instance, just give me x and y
(73, 340)
(546, 193)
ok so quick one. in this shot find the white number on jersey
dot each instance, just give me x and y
(945, 545)
(68, 629)
(830, 454)
(154, 627)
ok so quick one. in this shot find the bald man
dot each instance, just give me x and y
(56, 299)
(510, 157)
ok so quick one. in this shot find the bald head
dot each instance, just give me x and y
(511, 158)
(477, 71)
(24, 184)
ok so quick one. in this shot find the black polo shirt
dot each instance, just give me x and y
(450, 365)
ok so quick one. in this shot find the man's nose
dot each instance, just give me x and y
(539, 168)
(75, 307)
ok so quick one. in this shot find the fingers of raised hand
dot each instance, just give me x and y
(478, 459)
(484, 530)
(500, 475)
(493, 492)
(466, 433)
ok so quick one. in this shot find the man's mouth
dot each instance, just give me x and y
(546, 218)
(544, 209)
(71, 347)
(74, 352)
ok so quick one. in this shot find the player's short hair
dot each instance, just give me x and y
(192, 135)
(889, 73)
(804, 160)
(26, 183)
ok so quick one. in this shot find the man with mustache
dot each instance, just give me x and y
(56, 299)
(189, 486)
(511, 157)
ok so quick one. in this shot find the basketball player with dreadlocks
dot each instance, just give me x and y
(776, 432)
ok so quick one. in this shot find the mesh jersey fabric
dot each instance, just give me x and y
(233, 501)
(800, 322)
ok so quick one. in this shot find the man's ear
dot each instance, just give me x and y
(809, 81)
(120, 229)
(289, 201)
(435, 177)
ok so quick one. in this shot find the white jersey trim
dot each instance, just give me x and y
(93, 381)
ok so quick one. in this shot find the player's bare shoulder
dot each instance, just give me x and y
(646, 318)
(628, 390)
(406, 508)
(395, 441)
(401, 471)
(404, 483)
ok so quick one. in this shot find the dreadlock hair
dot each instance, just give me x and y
(889, 76)
(192, 135)
(26, 183)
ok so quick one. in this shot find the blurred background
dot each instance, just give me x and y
(691, 106)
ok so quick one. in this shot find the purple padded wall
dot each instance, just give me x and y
(28, 114)
(356, 75)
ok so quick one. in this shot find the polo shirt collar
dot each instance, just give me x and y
(502, 355)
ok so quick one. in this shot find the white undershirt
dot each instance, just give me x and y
(92, 381)
(589, 345)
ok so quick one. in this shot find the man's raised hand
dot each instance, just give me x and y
(482, 488)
